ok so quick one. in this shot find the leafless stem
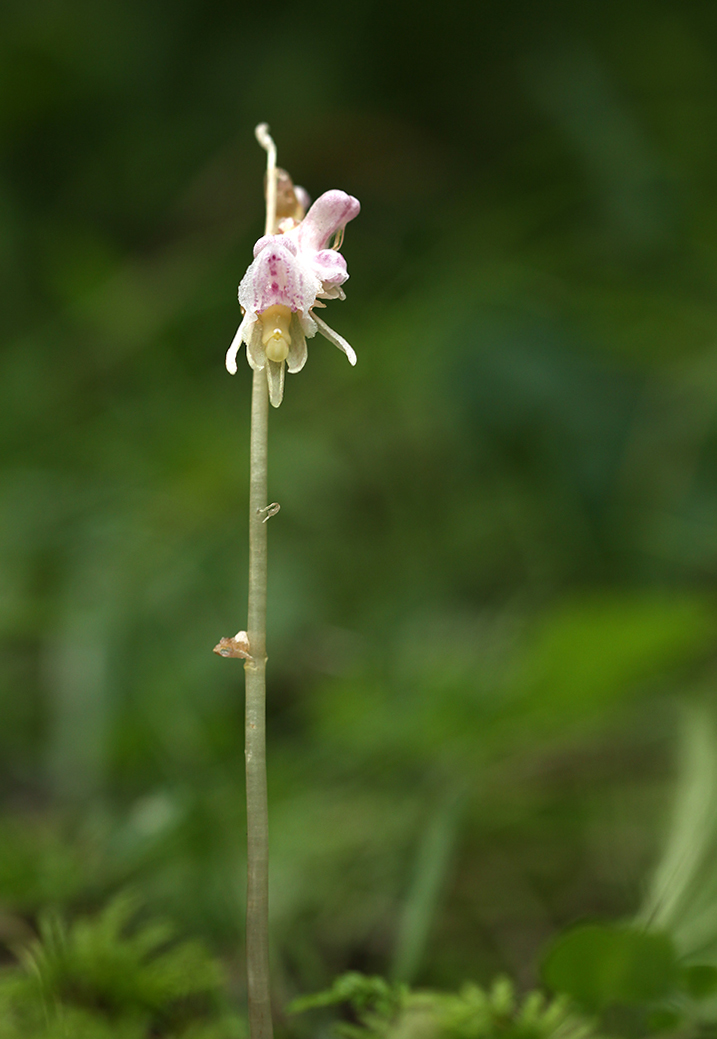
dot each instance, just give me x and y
(257, 912)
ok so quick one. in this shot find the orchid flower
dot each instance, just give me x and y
(291, 273)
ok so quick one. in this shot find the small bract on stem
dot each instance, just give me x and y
(297, 265)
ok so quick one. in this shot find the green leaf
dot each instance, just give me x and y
(663, 1021)
(699, 981)
(600, 965)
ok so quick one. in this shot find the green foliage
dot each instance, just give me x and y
(100, 977)
(658, 974)
(699, 981)
(632, 980)
(492, 574)
(599, 965)
(396, 1012)
(589, 653)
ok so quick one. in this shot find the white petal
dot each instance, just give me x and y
(255, 352)
(335, 338)
(244, 329)
(275, 378)
(330, 292)
(297, 351)
(231, 358)
(308, 324)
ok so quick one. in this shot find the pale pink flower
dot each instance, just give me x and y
(291, 273)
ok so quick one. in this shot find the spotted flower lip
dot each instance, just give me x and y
(292, 272)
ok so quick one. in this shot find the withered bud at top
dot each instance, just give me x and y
(291, 202)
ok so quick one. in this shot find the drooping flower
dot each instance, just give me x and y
(292, 272)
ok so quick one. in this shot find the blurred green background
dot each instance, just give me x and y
(492, 577)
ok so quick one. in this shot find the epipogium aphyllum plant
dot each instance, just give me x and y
(297, 265)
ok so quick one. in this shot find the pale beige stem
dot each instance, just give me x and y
(257, 910)
(257, 809)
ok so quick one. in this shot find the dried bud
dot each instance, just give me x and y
(238, 646)
(289, 201)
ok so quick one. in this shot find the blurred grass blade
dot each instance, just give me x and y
(432, 863)
(682, 898)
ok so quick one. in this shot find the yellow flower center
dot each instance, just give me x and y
(275, 335)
